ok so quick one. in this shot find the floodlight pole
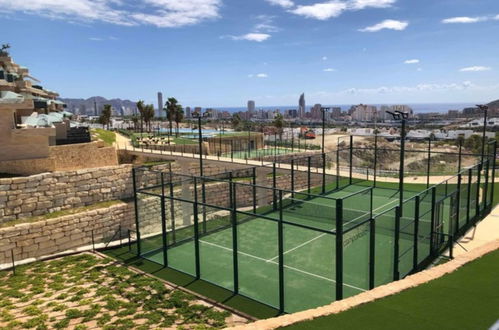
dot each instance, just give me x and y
(200, 138)
(402, 116)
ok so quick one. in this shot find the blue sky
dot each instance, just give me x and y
(225, 52)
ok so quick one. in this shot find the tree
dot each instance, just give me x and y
(179, 116)
(141, 107)
(171, 108)
(135, 121)
(279, 124)
(148, 115)
(105, 117)
(236, 121)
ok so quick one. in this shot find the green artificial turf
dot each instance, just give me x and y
(465, 299)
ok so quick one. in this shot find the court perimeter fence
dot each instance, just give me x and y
(295, 248)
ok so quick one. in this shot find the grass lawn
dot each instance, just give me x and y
(101, 134)
(86, 292)
(465, 299)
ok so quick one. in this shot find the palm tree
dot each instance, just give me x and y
(279, 124)
(148, 116)
(171, 108)
(135, 120)
(140, 107)
(236, 121)
(179, 116)
(105, 117)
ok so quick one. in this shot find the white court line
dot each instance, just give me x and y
(285, 266)
(299, 246)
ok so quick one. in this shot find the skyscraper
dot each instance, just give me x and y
(301, 106)
(251, 108)
(159, 113)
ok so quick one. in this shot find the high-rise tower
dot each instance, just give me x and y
(159, 113)
(301, 106)
(251, 108)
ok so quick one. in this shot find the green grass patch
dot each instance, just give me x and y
(108, 137)
(464, 299)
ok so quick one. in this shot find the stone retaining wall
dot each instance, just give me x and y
(43, 238)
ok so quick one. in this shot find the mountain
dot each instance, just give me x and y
(87, 106)
(494, 104)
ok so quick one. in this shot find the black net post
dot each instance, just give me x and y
(339, 249)
(309, 160)
(235, 260)
(487, 168)
(163, 221)
(350, 160)
(196, 231)
(281, 256)
(372, 251)
(396, 244)
(338, 163)
(293, 178)
(137, 227)
(416, 233)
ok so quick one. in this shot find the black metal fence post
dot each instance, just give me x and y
(396, 244)
(281, 255)
(416, 233)
(339, 249)
(196, 231)
(163, 222)
(375, 158)
(254, 189)
(493, 173)
(372, 252)
(432, 221)
(292, 178)
(274, 183)
(459, 161)
(323, 173)
(137, 225)
(351, 159)
(428, 169)
(458, 202)
(338, 164)
(172, 205)
(235, 259)
(13, 262)
(309, 161)
(477, 213)
(468, 202)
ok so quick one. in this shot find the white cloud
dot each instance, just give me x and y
(334, 8)
(321, 11)
(282, 3)
(95, 39)
(361, 4)
(265, 24)
(329, 70)
(428, 87)
(258, 37)
(475, 69)
(258, 75)
(324, 58)
(160, 13)
(464, 19)
(389, 24)
(413, 61)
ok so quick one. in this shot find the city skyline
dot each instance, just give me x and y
(221, 53)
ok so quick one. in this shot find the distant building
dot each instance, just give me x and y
(364, 112)
(335, 112)
(188, 113)
(251, 108)
(301, 106)
(159, 113)
(316, 112)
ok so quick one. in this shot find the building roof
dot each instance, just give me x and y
(10, 97)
